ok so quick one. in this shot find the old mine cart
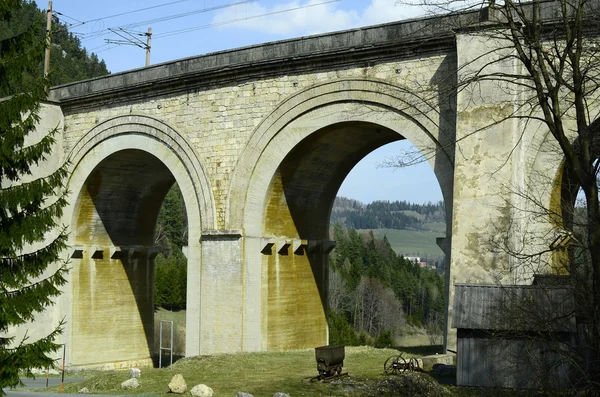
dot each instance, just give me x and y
(330, 360)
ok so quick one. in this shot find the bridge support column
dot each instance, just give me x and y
(112, 307)
(221, 292)
(193, 253)
(487, 172)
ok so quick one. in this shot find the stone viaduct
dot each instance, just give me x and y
(259, 140)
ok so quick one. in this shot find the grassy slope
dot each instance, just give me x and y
(261, 374)
(178, 318)
(411, 242)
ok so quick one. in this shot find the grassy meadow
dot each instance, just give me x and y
(260, 374)
(412, 242)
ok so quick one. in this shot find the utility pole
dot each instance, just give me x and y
(148, 38)
(48, 40)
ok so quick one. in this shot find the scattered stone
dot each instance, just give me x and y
(177, 384)
(280, 394)
(84, 390)
(201, 391)
(130, 384)
(135, 372)
(242, 394)
(444, 369)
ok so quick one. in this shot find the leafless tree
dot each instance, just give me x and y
(543, 56)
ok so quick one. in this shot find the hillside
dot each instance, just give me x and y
(399, 215)
(411, 229)
(419, 243)
(69, 61)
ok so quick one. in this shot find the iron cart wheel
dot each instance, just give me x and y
(403, 364)
(414, 364)
(392, 364)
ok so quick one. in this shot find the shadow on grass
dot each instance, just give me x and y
(421, 350)
(166, 360)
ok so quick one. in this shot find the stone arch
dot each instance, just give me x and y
(426, 118)
(550, 189)
(563, 197)
(147, 141)
(164, 140)
(311, 119)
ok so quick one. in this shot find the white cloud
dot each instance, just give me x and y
(310, 17)
(382, 11)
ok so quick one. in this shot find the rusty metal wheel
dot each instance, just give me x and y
(404, 364)
(391, 365)
(414, 364)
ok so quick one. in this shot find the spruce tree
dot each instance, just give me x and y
(29, 208)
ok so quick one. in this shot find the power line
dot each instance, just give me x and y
(175, 32)
(106, 49)
(66, 16)
(106, 31)
(134, 11)
(130, 39)
(185, 14)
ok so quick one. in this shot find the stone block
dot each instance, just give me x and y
(130, 384)
(201, 391)
(135, 373)
(177, 384)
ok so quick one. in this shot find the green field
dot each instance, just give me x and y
(411, 242)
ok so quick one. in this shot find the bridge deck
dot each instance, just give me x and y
(380, 42)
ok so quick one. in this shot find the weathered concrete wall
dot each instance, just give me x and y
(240, 299)
(259, 140)
(112, 320)
(259, 152)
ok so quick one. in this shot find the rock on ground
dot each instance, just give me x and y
(84, 390)
(130, 384)
(242, 394)
(280, 394)
(177, 384)
(201, 391)
(135, 373)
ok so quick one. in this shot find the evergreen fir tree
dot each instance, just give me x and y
(29, 279)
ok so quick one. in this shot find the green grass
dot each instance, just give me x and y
(413, 214)
(411, 242)
(260, 374)
(438, 227)
(178, 318)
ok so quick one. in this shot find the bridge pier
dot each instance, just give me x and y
(112, 314)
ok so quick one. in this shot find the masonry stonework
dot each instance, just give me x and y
(259, 140)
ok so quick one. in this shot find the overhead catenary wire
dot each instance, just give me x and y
(125, 12)
(106, 31)
(181, 31)
(68, 17)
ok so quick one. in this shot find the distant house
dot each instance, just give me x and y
(415, 259)
(515, 336)
(422, 264)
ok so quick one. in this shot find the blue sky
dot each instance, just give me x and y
(184, 28)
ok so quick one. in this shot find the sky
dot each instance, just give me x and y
(185, 28)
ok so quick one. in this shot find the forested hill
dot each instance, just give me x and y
(400, 215)
(68, 60)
